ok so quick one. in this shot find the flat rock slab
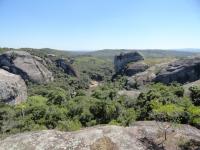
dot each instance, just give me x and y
(140, 136)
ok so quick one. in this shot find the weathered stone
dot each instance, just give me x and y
(131, 93)
(123, 59)
(142, 135)
(140, 79)
(27, 66)
(12, 88)
(67, 67)
(181, 71)
(133, 68)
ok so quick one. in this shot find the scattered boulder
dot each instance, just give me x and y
(133, 68)
(12, 88)
(132, 93)
(123, 59)
(67, 67)
(181, 71)
(143, 135)
(27, 66)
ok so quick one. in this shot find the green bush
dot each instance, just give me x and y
(127, 117)
(194, 112)
(195, 95)
(69, 125)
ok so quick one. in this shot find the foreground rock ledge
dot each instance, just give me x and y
(141, 136)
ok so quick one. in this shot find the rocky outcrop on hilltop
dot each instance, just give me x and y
(143, 135)
(12, 88)
(123, 59)
(25, 65)
(181, 71)
(140, 79)
(67, 67)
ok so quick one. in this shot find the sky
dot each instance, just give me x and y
(100, 24)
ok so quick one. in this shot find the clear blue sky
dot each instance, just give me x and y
(100, 24)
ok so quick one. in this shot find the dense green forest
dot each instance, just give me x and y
(53, 107)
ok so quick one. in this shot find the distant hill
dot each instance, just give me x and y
(146, 53)
(110, 53)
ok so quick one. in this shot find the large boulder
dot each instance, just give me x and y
(27, 66)
(145, 135)
(133, 68)
(132, 93)
(181, 71)
(123, 59)
(12, 88)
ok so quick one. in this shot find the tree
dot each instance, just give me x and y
(166, 113)
(127, 117)
(58, 96)
(195, 95)
(194, 112)
(7, 118)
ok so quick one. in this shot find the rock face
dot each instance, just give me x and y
(134, 68)
(123, 59)
(66, 67)
(140, 79)
(12, 88)
(140, 136)
(182, 71)
(25, 65)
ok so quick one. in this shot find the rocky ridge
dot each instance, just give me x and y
(143, 135)
(181, 71)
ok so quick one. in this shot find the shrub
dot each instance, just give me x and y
(194, 112)
(69, 125)
(195, 95)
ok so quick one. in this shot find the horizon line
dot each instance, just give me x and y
(80, 50)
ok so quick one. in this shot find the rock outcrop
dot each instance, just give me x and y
(123, 59)
(25, 65)
(133, 68)
(67, 67)
(133, 93)
(143, 135)
(143, 78)
(12, 88)
(181, 71)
